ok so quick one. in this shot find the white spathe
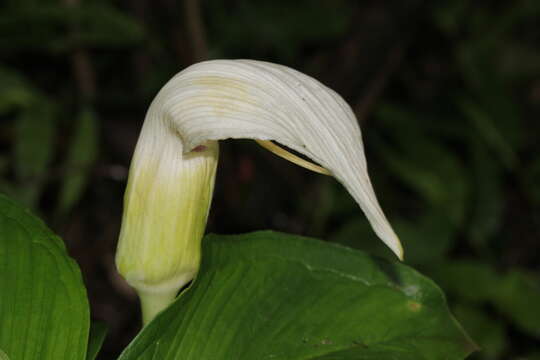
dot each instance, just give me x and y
(220, 99)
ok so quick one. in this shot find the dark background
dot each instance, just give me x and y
(447, 94)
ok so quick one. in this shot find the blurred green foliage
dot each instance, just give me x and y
(451, 139)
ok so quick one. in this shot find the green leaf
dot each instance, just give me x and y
(81, 156)
(467, 279)
(417, 237)
(44, 312)
(427, 240)
(488, 331)
(283, 29)
(487, 130)
(487, 198)
(34, 148)
(98, 332)
(102, 25)
(14, 90)
(514, 293)
(517, 298)
(43, 27)
(423, 163)
(267, 295)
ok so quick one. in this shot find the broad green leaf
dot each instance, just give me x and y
(268, 295)
(80, 157)
(98, 332)
(44, 311)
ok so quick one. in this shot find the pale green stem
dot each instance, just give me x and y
(153, 303)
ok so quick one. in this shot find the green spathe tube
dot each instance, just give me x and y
(165, 211)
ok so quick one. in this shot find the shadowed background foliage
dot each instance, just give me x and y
(447, 94)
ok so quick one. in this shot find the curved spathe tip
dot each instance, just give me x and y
(220, 99)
